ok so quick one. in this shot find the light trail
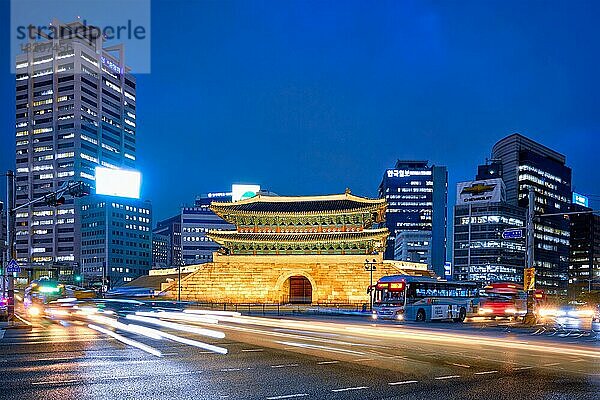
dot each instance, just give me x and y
(178, 327)
(125, 340)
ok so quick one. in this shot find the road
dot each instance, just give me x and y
(287, 358)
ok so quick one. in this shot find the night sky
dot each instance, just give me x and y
(311, 97)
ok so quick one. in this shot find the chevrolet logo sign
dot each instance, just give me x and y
(478, 188)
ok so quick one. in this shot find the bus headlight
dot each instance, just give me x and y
(400, 317)
(34, 311)
(374, 315)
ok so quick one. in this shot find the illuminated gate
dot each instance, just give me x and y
(300, 290)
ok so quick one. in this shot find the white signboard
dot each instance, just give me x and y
(118, 182)
(241, 192)
(483, 191)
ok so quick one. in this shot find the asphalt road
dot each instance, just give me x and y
(271, 358)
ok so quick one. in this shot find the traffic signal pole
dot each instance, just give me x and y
(530, 318)
(10, 236)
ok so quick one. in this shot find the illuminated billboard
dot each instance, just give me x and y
(488, 190)
(580, 199)
(118, 182)
(241, 192)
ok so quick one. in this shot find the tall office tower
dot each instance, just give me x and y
(116, 241)
(196, 246)
(584, 265)
(416, 195)
(481, 215)
(526, 164)
(75, 109)
(171, 227)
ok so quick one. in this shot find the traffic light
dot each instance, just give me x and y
(79, 189)
(77, 278)
(54, 201)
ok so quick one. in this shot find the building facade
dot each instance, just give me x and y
(75, 110)
(414, 246)
(417, 193)
(161, 251)
(584, 265)
(528, 164)
(196, 246)
(171, 227)
(116, 241)
(480, 251)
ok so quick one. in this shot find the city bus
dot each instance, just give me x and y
(421, 298)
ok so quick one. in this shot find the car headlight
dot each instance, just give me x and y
(485, 311)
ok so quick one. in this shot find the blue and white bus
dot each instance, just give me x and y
(422, 298)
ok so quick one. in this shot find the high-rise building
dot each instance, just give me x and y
(171, 227)
(75, 110)
(481, 215)
(196, 222)
(528, 164)
(416, 194)
(116, 239)
(161, 251)
(584, 265)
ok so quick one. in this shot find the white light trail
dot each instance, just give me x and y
(178, 327)
(125, 340)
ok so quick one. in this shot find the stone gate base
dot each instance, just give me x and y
(264, 279)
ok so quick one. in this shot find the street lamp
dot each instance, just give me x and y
(371, 266)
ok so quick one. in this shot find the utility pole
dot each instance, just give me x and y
(530, 315)
(10, 237)
(370, 266)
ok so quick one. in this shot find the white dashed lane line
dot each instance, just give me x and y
(252, 350)
(446, 377)
(522, 368)
(287, 396)
(461, 365)
(551, 364)
(327, 362)
(402, 383)
(349, 389)
(284, 365)
(486, 372)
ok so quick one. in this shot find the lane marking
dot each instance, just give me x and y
(550, 365)
(230, 369)
(485, 372)
(284, 365)
(363, 359)
(327, 362)
(402, 383)
(446, 377)
(251, 350)
(461, 365)
(349, 388)
(287, 396)
(2, 333)
(522, 368)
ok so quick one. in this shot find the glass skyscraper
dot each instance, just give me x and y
(416, 195)
(528, 164)
(75, 110)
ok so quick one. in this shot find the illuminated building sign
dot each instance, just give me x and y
(241, 192)
(489, 190)
(108, 63)
(402, 173)
(580, 199)
(118, 182)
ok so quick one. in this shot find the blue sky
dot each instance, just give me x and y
(311, 97)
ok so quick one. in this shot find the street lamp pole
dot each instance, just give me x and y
(371, 266)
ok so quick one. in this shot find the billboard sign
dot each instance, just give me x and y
(447, 269)
(580, 200)
(483, 191)
(118, 182)
(241, 192)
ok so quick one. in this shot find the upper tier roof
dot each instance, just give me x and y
(298, 204)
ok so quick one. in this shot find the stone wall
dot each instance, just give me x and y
(264, 279)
